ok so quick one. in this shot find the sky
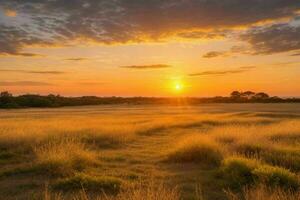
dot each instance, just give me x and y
(162, 48)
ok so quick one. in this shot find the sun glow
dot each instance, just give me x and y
(178, 86)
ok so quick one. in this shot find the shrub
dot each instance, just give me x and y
(287, 158)
(197, 151)
(276, 177)
(60, 158)
(91, 183)
(238, 171)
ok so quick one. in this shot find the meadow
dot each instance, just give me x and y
(205, 152)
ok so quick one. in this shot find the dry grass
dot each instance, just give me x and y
(71, 148)
(65, 157)
(198, 150)
(263, 193)
(141, 191)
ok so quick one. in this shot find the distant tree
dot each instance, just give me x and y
(261, 95)
(235, 94)
(5, 97)
(247, 94)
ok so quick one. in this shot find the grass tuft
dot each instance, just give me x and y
(237, 171)
(61, 158)
(197, 150)
(103, 184)
(276, 177)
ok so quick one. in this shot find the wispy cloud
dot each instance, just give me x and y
(296, 54)
(214, 54)
(32, 71)
(76, 59)
(156, 66)
(23, 83)
(248, 67)
(91, 83)
(211, 73)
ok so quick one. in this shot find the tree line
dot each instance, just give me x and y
(7, 100)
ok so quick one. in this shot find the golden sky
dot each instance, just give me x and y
(150, 48)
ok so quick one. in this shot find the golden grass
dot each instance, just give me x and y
(198, 150)
(64, 157)
(264, 193)
(127, 144)
(149, 190)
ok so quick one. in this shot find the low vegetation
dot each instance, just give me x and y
(197, 150)
(106, 153)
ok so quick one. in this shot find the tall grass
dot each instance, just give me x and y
(264, 193)
(63, 157)
(197, 150)
(140, 191)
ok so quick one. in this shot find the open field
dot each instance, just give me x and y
(210, 152)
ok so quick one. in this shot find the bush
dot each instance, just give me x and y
(238, 171)
(197, 151)
(287, 158)
(62, 158)
(91, 183)
(276, 177)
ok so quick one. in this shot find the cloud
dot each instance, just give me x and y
(126, 21)
(296, 54)
(23, 83)
(277, 38)
(157, 66)
(214, 54)
(91, 83)
(32, 71)
(10, 13)
(248, 67)
(75, 59)
(224, 72)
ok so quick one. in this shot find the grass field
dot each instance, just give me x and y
(206, 152)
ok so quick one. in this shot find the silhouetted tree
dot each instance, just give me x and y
(261, 95)
(247, 94)
(5, 97)
(235, 94)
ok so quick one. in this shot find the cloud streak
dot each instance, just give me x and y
(24, 83)
(157, 66)
(242, 69)
(75, 59)
(214, 54)
(33, 72)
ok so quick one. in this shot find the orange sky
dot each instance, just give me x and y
(154, 57)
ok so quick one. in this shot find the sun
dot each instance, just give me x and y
(178, 86)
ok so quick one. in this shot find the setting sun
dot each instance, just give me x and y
(178, 87)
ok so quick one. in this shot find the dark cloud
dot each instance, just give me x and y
(225, 72)
(47, 22)
(157, 66)
(23, 83)
(214, 54)
(32, 71)
(277, 38)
